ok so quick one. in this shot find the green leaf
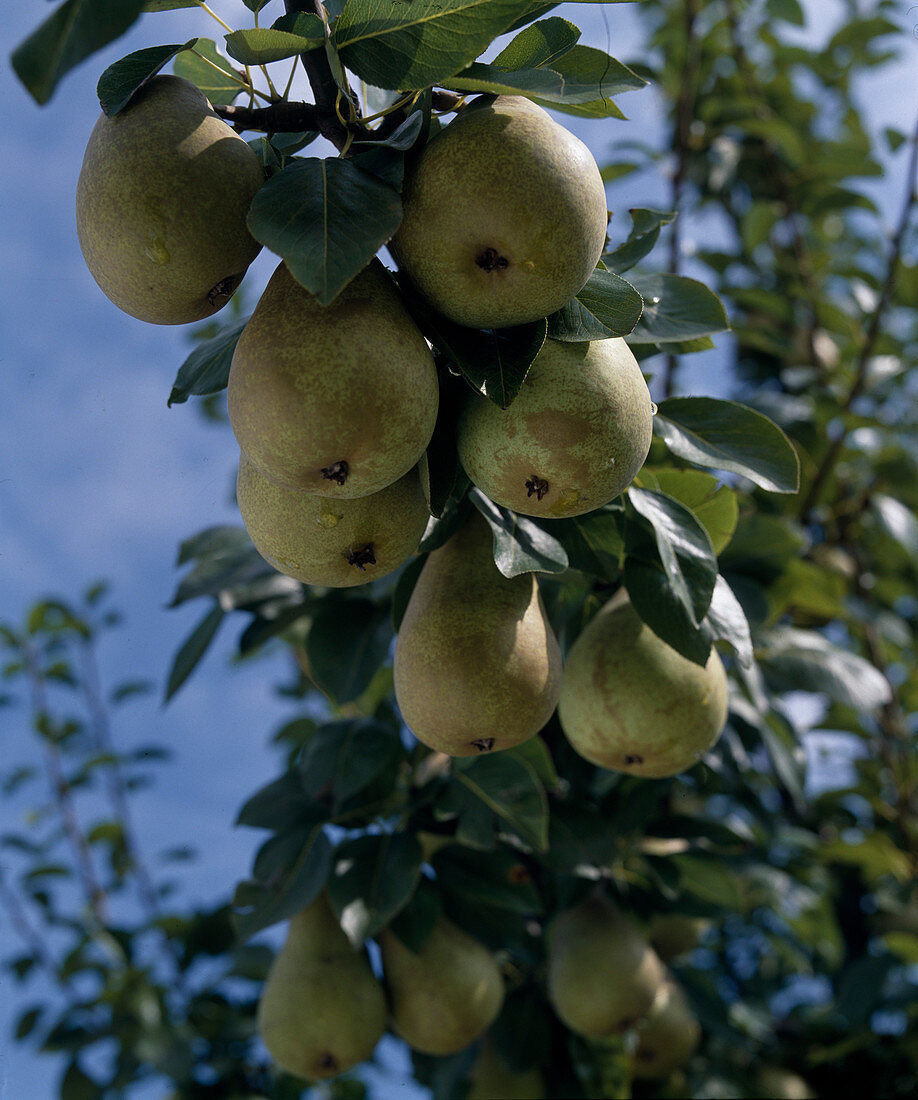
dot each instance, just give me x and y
(607, 306)
(347, 641)
(74, 31)
(306, 857)
(714, 505)
(510, 788)
(372, 879)
(278, 805)
(220, 90)
(327, 219)
(499, 879)
(192, 650)
(897, 521)
(262, 45)
(345, 757)
(727, 621)
(645, 231)
(590, 78)
(725, 435)
(790, 11)
(415, 921)
(676, 308)
(411, 46)
(25, 1023)
(709, 879)
(593, 542)
(535, 752)
(538, 44)
(520, 545)
(206, 370)
(122, 79)
(536, 83)
(169, 5)
(77, 1085)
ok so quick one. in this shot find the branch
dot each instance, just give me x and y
(325, 88)
(278, 118)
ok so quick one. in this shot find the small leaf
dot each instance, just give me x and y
(727, 620)
(510, 788)
(122, 79)
(327, 219)
(607, 306)
(724, 435)
(520, 545)
(262, 45)
(277, 805)
(206, 370)
(676, 308)
(538, 44)
(645, 231)
(347, 641)
(192, 650)
(372, 879)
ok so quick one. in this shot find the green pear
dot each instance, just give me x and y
(669, 1034)
(339, 543)
(781, 1084)
(161, 205)
(602, 973)
(477, 666)
(490, 1079)
(322, 1009)
(504, 216)
(339, 400)
(675, 934)
(445, 996)
(573, 438)
(631, 703)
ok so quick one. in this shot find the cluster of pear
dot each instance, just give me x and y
(323, 1010)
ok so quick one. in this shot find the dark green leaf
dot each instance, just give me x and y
(593, 542)
(25, 1024)
(724, 435)
(278, 805)
(327, 219)
(510, 788)
(538, 44)
(193, 649)
(676, 308)
(343, 758)
(727, 620)
(122, 79)
(607, 306)
(77, 1085)
(520, 545)
(347, 641)
(788, 10)
(645, 230)
(807, 661)
(206, 370)
(373, 878)
(415, 921)
(68, 36)
(496, 878)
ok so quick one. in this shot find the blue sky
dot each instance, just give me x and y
(98, 478)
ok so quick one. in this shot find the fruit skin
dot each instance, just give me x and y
(631, 703)
(782, 1084)
(313, 386)
(322, 1009)
(329, 542)
(675, 934)
(161, 205)
(572, 439)
(443, 998)
(504, 216)
(477, 666)
(491, 1080)
(602, 973)
(669, 1035)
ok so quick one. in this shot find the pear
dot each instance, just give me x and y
(669, 1035)
(631, 703)
(477, 666)
(322, 1009)
(338, 543)
(504, 216)
(602, 973)
(445, 996)
(339, 400)
(675, 934)
(782, 1084)
(490, 1079)
(161, 205)
(573, 438)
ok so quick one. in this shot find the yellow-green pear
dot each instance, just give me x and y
(161, 205)
(504, 216)
(782, 1084)
(490, 1079)
(339, 400)
(675, 934)
(573, 438)
(338, 543)
(322, 1009)
(631, 703)
(448, 994)
(602, 973)
(669, 1034)
(477, 665)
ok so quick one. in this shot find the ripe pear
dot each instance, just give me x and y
(339, 543)
(782, 1084)
(322, 1009)
(631, 703)
(477, 666)
(573, 438)
(669, 1035)
(161, 205)
(339, 400)
(490, 1079)
(675, 934)
(602, 973)
(504, 216)
(445, 996)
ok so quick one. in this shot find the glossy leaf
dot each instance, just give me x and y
(520, 545)
(607, 306)
(645, 231)
(122, 79)
(539, 44)
(676, 308)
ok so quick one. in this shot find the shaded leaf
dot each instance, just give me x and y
(607, 306)
(373, 878)
(206, 370)
(345, 757)
(262, 45)
(520, 545)
(192, 650)
(510, 788)
(645, 231)
(538, 44)
(122, 79)
(676, 308)
(347, 641)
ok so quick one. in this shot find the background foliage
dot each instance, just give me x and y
(806, 872)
